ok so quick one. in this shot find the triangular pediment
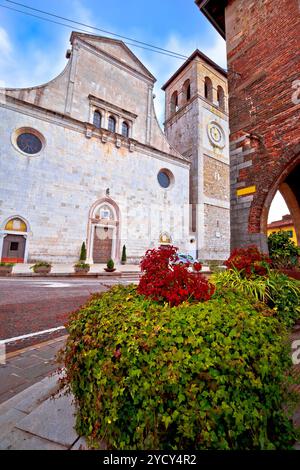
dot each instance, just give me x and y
(116, 49)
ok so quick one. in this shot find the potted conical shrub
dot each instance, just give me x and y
(82, 256)
(110, 266)
(124, 256)
(82, 267)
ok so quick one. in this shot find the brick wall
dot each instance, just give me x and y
(263, 43)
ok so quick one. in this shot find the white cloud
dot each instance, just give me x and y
(37, 62)
(5, 43)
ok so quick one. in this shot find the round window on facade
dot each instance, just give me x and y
(28, 141)
(165, 178)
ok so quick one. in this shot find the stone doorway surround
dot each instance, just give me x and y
(104, 214)
(14, 233)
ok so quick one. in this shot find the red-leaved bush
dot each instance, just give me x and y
(249, 261)
(164, 281)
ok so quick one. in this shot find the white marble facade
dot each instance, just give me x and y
(84, 179)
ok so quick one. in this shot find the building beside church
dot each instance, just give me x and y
(83, 158)
(196, 124)
(285, 224)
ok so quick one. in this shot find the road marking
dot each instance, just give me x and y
(30, 335)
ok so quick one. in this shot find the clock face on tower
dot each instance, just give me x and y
(216, 135)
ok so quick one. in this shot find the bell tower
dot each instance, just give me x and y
(196, 125)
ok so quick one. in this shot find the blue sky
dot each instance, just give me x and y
(33, 51)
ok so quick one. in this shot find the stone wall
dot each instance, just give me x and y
(188, 131)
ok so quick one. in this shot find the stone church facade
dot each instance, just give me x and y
(83, 158)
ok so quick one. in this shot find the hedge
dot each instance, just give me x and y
(211, 375)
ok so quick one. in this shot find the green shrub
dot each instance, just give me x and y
(40, 264)
(110, 264)
(124, 256)
(8, 265)
(82, 252)
(82, 265)
(210, 375)
(278, 291)
(283, 251)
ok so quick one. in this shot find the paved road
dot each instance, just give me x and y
(30, 305)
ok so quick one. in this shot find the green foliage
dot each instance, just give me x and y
(82, 265)
(124, 256)
(283, 251)
(278, 291)
(210, 375)
(8, 265)
(83, 252)
(40, 264)
(110, 264)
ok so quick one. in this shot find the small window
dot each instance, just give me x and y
(14, 246)
(174, 102)
(187, 90)
(221, 98)
(29, 143)
(125, 129)
(97, 119)
(208, 89)
(111, 124)
(165, 178)
(290, 233)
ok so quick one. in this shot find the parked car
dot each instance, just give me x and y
(184, 258)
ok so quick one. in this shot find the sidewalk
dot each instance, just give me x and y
(26, 367)
(32, 419)
(123, 270)
(23, 269)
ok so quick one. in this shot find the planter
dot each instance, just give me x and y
(108, 270)
(5, 270)
(294, 273)
(42, 270)
(78, 270)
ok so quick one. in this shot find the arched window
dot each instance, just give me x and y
(97, 119)
(174, 102)
(125, 129)
(208, 89)
(16, 225)
(111, 124)
(221, 98)
(187, 90)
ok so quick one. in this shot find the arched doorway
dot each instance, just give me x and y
(288, 186)
(13, 240)
(103, 232)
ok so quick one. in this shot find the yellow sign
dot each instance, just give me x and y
(246, 191)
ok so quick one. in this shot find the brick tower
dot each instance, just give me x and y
(196, 124)
(263, 43)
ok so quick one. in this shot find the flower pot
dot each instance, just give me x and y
(5, 270)
(79, 270)
(109, 270)
(42, 270)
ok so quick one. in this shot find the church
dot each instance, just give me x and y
(84, 159)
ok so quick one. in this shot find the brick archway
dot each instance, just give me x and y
(287, 183)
